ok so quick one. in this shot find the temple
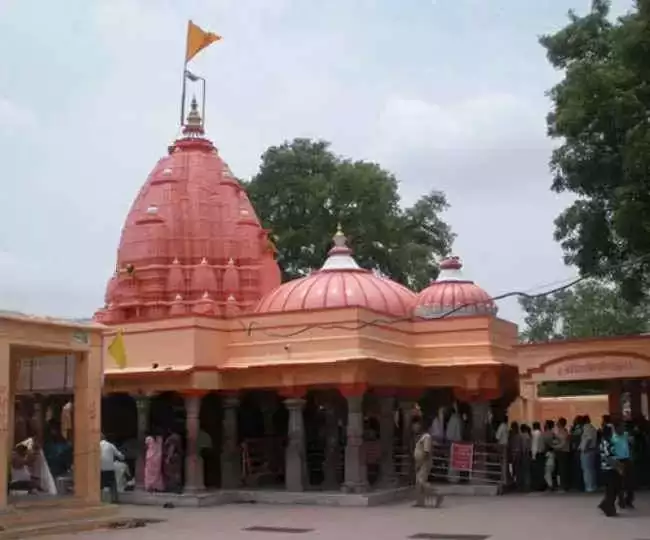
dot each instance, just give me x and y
(304, 385)
(254, 389)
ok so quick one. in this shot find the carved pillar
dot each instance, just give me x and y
(295, 472)
(480, 416)
(406, 410)
(193, 461)
(387, 476)
(480, 413)
(142, 404)
(356, 475)
(332, 454)
(230, 451)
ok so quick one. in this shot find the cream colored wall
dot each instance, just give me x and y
(553, 408)
(545, 358)
(22, 336)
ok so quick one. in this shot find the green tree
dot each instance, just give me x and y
(590, 309)
(600, 116)
(303, 190)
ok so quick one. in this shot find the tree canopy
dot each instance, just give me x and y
(590, 309)
(303, 190)
(600, 114)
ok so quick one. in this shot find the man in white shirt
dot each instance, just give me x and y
(109, 455)
(538, 456)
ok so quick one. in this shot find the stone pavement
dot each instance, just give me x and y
(527, 517)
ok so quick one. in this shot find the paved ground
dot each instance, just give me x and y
(531, 517)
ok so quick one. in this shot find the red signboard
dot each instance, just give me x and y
(462, 456)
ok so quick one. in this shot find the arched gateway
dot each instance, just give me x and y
(307, 384)
(620, 364)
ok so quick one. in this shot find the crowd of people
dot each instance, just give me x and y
(555, 456)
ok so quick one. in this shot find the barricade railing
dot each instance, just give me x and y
(476, 462)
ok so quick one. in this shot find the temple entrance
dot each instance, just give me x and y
(43, 430)
(120, 426)
(323, 416)
(210, 439)
(262, 428)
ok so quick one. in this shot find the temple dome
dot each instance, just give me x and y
(190, 229)
(452, 291)
(340, 283)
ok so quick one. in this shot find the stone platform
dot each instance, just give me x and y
(53, 515)
(312, 498)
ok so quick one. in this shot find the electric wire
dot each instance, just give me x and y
(383, 321)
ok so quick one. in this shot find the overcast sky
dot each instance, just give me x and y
(447, 94)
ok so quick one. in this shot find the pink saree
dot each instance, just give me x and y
(153, 479)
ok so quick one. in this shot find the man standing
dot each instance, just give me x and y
(587, 447)
(109, 455)
(611, 469)
(621, 448)
(538, 457)
(548, 439)
(563, 453)
(423, 458)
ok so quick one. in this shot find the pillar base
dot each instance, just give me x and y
(193, 490)
(355, 487)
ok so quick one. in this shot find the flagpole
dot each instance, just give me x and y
(203, 107)
(183, 93)
(184, 86)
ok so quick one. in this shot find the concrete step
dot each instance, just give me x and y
(54, 528)
(42, 518)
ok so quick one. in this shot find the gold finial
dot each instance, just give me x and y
(194, 123)
(339, 238)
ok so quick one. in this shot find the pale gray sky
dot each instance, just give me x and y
(445, 93)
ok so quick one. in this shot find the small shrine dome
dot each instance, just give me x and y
(340, 283)
(191, 242)
(452, 292)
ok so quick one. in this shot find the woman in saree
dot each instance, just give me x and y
(153, 473)
(173, 462)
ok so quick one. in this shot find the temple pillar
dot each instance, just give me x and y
(193, 462)
(406, 412)
(87, 424)
(387, 477)
(230, 451)
(6, 428)
(332, 454)
(142, 404)
(480, 418)
(356, 475)
(295, 459)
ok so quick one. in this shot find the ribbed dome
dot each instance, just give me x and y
(452, 291)
(191, 240)
(339, 283)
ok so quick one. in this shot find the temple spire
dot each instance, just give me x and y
(340, 256)
(194, 124)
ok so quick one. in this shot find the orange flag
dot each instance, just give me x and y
(197, 40)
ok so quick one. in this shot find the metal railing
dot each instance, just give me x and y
(488, 465)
